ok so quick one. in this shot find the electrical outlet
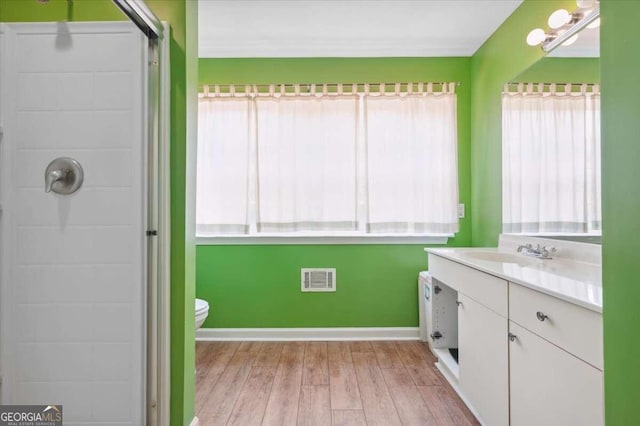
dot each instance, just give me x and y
(461, 211)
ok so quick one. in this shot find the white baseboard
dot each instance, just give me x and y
(195, 422)
(313, 333)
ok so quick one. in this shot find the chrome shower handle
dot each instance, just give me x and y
(63, 176)
(51, 178)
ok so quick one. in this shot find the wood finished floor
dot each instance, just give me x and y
(323, 383)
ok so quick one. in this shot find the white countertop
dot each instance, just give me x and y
(570, 280)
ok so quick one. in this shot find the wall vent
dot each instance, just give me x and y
(318, 279)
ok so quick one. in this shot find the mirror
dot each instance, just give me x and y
(551, 144)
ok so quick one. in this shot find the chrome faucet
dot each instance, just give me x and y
(541, 252)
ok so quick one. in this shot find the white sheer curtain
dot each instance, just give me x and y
(306, 164)
(327, 163)
(412, 164)
(224, 136)
(551, 161)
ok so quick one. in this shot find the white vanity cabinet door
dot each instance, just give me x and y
(551, 387)
(573, 328)
(483, 361)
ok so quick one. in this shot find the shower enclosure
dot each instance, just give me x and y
(83, 233)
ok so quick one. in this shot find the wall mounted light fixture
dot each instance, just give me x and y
(564, 26)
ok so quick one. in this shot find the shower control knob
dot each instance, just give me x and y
(63, 176)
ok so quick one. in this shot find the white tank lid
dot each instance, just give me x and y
(201, 305)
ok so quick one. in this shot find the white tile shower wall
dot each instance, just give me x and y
(73, 276)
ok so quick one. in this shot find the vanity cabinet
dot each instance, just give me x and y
(555, 361)
(483, 361)
(571, 327)
(483, 364)
(525, 357)
(549, 386)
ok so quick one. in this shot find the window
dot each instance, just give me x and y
(327, 164)
(551, 159)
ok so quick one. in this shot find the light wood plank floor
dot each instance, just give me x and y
(323, 383)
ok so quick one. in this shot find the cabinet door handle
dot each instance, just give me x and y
(512, 337)
(459, 303)
(541, 316)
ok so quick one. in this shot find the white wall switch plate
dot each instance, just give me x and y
(461, 211)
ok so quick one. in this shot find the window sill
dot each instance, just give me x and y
(324, 239)
(556, 234)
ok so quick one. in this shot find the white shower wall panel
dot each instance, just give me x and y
(74, 266)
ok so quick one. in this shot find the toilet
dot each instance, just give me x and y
(202, 311)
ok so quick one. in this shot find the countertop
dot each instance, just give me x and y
(576, 282)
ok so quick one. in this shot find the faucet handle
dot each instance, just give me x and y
(63, 176)
(547, 251)
(52, 177)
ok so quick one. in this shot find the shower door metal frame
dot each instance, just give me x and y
(158, 210)
(138, 12)
(159, 241)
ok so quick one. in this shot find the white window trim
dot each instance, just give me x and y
(326, 239)
(556, 234)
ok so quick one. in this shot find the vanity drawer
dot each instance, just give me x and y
(573, 328)
(483, 288)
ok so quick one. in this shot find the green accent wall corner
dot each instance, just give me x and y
(501, 58)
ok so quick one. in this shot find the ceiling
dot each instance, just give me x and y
(352, 28)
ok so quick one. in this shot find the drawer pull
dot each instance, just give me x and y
(512, 337)
(541, 316)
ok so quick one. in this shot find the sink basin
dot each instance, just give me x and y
(498, 257)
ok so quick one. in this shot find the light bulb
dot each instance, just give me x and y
(594, 24)
(536, 37)
(586, 4)
(559, 18)
(571, 40)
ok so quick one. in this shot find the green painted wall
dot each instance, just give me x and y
(620, 56)
(562, 70)
(500, 59)
(259, 286)
(180, 14)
